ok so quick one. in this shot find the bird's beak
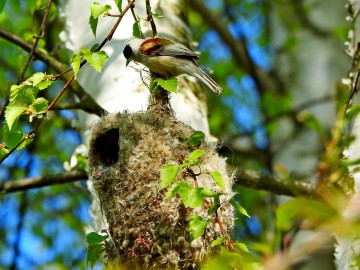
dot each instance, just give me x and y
(127, 62)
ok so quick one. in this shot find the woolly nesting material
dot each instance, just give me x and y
(127, 152)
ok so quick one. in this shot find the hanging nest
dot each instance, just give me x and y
(126, 155)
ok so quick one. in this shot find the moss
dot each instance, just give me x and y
(127, 152)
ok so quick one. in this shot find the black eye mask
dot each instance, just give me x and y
(127, 52)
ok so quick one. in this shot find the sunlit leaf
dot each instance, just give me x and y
(196, 154)
(37, 78)
(218, 241)
(190, 196)
(219, 180)
(39, 104)
(168, 84)
(13, 112)
(168, 175)
(3, 151)
(23, 94)
(242, 247)
(95, 59)
(118, 4)
(238, 207)
(44, 84)
(197, 226)
(75, 63)
(137, 29)
(97, 9)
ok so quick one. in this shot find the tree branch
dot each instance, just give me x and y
(42, 181)
(250, 179)
(256, 180)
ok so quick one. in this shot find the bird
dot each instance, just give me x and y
(167, 58)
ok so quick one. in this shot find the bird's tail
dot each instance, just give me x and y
(201, 75)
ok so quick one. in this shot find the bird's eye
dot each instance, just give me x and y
(127, 51)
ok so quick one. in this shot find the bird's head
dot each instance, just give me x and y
(131, 49)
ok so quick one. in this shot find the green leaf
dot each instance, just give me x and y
(215, 205)
(45, 84)
(172, 190)
(118, 3)
(15, 91)
(219, 180)
(23, 93)
(94, 47)
(193, 158)
(353, 111)
(196, 138)
(238, 207)
(190, 197)
(2, 5)
(37, 78)
(39, 105)
(168, 175)
(218, 241)
(242, 247)
(94, 238)
(13, 112)
(3, 151)
(157, 15)
(300, 209)
(196, 154)
(97, 9)
(95, 59)
(94, 253)
(168, 84)
(75, 63)
(206, 192)
(137, 29)
(12, 137)
(93, 24)
(24, 143)
(197, 226)
(310, 120)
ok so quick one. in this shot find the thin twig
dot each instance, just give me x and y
(354, 90)
(135, 18)
(37, 38)
(150, 18)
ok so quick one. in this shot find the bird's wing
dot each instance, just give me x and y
(152, 45)
(165, 47)
(177, 50)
